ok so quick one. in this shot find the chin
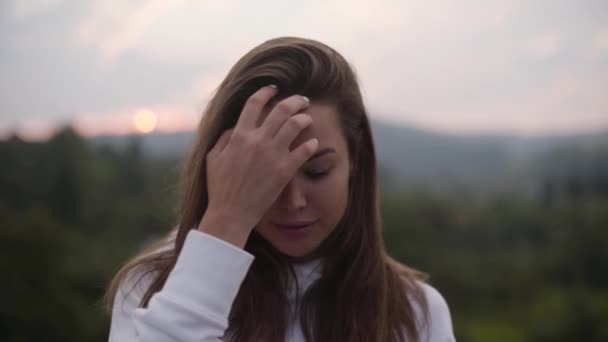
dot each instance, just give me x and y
(294, 249)
(297, 253)
(297, 245)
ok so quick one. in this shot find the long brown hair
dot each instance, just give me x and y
(362, 294)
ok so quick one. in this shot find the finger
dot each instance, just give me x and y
(281, 112)
(292, 128)
(301, 154)
(222, 142)
(253, 108)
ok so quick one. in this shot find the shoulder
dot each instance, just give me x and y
(436, 324)
(135, 283)
(131, 289)
(126, 301)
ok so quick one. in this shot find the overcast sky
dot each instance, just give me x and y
(468, 66)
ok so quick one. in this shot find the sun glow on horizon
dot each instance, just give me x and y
(145, 121)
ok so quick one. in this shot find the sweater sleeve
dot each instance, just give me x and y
(195, 302)
(438, 328)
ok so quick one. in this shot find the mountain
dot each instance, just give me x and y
(413, 157)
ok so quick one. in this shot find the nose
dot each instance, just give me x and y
(292, 197)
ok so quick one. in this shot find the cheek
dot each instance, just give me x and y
(330, 197)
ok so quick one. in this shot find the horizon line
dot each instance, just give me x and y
(44, 134)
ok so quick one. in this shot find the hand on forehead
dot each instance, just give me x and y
(306, 134)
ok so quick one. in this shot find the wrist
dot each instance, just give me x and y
(225, 228)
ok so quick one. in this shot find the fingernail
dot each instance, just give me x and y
(273, 86)
(306, 99)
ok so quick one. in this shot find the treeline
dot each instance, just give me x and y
(511, 268)
(70, 214)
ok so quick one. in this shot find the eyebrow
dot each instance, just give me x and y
(322, 153)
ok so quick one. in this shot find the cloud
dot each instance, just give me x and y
(599, 43)
(466, 65)
(567, 101)
(544, 45)
(22, 9)
(114, 26)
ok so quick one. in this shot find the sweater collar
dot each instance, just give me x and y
(305, 275)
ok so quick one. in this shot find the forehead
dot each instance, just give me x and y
(325, 126)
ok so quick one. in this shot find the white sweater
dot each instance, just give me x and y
(186, 311)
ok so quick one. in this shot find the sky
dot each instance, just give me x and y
(526, 67)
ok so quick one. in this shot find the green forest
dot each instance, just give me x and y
(513, 267)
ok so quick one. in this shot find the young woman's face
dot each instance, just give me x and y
(313, 202)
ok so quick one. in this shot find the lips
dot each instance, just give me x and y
(294, 225)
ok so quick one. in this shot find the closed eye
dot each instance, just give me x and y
(316, 174)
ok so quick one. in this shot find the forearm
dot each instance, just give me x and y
(195, 303)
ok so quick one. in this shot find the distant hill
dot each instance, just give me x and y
(438, 161)
(412, 157)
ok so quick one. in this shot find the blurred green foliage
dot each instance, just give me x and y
(512, 268)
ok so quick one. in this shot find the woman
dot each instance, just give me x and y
(279, 237)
